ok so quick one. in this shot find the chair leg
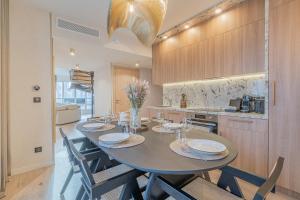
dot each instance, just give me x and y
(85, 196)
(125, 193)
(80, 193)
(206, 176)
(67, 181)
(136, 192)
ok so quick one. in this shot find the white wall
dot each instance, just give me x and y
(103, 90)
(29, 123)
(156, 92)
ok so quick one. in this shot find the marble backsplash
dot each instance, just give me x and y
(215, 93)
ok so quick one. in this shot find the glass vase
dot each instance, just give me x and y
(135, 118)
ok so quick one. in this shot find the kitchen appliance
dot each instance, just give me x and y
(234, 105)
(247, 104)
(204, 122)
(259, 105)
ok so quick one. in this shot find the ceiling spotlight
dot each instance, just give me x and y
(77, 67)
(137, 64)
(165, 37)
(72, 52)
(186, 26)
(218, 11)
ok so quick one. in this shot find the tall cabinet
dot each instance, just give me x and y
(284, 108)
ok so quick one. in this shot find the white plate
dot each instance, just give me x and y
(206, 146)
(114, 138)
(95, 125)
(172, 126)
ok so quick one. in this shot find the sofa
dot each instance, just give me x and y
(67, 113)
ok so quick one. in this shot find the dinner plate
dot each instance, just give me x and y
(172, 126)
(206, 146)
(94, 125)
(114, 138)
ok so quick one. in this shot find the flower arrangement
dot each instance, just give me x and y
(137, 91)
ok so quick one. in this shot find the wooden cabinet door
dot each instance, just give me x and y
(176, 117)
(198, 60)
(284, 69)
(215, 57)
(156, 64)
(168, 67)
(233, 53)
(250, 137)
(253, 56)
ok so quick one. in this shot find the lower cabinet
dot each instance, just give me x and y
(250, 137)
(174, 116)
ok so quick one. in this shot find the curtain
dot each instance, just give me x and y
(4, 38)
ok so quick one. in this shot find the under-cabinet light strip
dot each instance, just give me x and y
(248, 76)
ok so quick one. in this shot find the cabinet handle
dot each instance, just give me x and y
(241, 121)
(274, 93)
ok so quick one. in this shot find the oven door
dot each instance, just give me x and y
(204, 126)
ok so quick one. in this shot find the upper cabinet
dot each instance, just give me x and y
(229, 44)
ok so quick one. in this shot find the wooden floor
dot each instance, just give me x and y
(45, 184)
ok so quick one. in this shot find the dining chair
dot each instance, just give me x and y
(204, 190)
(98, 184)
(97, 158)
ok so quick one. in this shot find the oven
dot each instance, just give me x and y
(204, 122)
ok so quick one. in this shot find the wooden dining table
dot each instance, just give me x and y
(154, 155)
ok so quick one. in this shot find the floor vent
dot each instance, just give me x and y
(61, 23)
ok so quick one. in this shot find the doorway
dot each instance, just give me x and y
(121, 77)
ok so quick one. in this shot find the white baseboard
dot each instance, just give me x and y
(28, 168)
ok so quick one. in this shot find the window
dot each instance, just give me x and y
(64, 95)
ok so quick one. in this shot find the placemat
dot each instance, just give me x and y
(160, 129)
(184, 150)
(132, 141)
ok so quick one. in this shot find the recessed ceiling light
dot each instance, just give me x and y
(137, 64)
(165, 37)
(218, 11)
(186, 26)
(72, 52)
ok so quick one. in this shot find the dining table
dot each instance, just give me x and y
(155, 157)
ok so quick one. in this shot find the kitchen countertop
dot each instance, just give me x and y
(213, 111)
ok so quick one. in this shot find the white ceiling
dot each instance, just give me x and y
(123, 48)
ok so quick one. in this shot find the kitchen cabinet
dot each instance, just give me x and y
(284, 84)
(250, 137)
(153, 112)
(226, 45)
(174, 116)
(233, 52)
(253, 47)
(215, 57)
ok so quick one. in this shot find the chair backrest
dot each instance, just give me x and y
(83, 165)
(227, 179)
(269, 184)
(66, 143)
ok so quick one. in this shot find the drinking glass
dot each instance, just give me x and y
(181, 136)
(161, 118)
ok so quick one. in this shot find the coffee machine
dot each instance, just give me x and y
(248, 104)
